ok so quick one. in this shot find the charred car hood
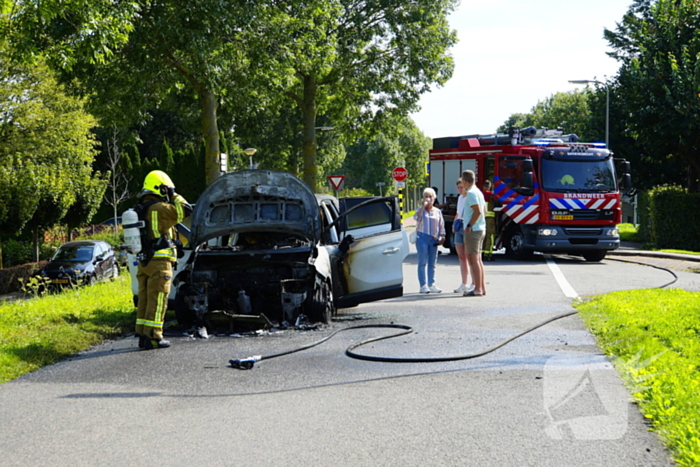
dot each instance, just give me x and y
(255, 201)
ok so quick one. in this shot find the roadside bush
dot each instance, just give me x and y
(16, 252)
(673, 220)
(628, 233)
(346, 192)
(108, 235)
(13, 279)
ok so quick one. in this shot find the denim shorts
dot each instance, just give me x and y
(459, 237)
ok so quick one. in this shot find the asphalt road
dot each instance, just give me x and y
(549, 398)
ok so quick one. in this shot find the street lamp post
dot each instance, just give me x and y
(250, 152)
(607, 104)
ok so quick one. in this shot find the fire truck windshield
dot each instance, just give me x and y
(578, 176)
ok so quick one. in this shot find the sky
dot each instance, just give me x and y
(512, 54)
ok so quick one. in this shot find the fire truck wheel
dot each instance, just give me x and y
(594, 256)
(515, 246)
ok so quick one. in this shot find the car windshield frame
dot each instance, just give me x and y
(578, 175)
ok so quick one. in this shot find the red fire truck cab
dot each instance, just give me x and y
(551, 193)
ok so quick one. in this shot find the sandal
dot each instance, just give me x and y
(472, 294)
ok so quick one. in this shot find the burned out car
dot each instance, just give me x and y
(263, 245)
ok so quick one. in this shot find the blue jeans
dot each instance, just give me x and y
(427, 257)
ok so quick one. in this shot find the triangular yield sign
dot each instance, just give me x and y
(336, 181)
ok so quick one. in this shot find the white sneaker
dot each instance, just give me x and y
(461, 289)
(434, 289)
(424, 289)
(469, 288)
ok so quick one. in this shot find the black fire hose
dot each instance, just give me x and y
(248, 363)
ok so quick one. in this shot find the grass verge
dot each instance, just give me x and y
(655, 335)
(43, 330)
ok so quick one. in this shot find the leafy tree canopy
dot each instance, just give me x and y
(566, 110)
(659, 49)
(46, 152)
(357, 62)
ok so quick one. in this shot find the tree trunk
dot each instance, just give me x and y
(210, 129)
(35, 245)
(308, 144)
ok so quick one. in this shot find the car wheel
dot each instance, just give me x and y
(594, 256)
(515, 246)
(320, 306)
(91, 280)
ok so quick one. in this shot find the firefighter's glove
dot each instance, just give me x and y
(178, 246)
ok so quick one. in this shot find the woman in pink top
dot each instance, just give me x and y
(430, 232)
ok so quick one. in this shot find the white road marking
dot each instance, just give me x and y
(561, 280)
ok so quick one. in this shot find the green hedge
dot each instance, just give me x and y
(673, 218)
(13, 279)
(644, 218)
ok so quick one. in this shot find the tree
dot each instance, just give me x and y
(357, 61)
(569, 111)
(129, 56)
(370, 161)
(414, 147)
(118, 180)
(659, 50)
(46, 151)
(352, 60)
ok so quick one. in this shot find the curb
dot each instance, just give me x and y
(654, 254)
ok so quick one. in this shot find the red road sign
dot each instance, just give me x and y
(336, 181)
(399, 174)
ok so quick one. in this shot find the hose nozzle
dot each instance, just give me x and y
(244, 363)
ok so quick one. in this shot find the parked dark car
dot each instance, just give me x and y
(81, 262)
(110, 221)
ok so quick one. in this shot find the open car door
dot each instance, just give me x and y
(372, 269)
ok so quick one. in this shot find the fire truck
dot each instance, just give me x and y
(551, 193)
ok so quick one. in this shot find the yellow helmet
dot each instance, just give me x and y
(157, 182)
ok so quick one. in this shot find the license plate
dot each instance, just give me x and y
(563, 217)
(59, 281)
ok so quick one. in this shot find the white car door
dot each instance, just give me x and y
(373, 267)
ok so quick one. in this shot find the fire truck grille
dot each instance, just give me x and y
(586, 214)
(583, 232)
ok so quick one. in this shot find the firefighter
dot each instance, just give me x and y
(165, 208)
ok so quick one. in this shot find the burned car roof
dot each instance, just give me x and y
(255, 200)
